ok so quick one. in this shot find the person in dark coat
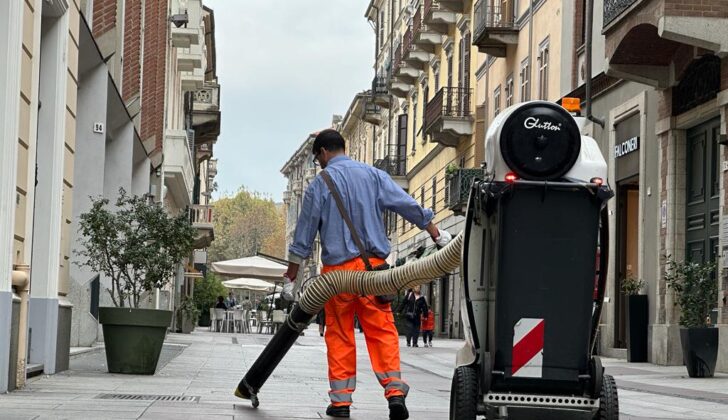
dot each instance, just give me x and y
(220, 303)
(413, 306)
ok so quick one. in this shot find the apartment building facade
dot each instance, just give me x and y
(38, 44)
(678, 49)
(85, 107)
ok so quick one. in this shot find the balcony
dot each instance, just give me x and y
(212, 168)
(179, 173)
(297, 186)
(396, 167)
(184, 37)
(437, 17)
(372, 113)
(309, 174)
(380, 90)
(286, 197)
(425, 37)
(188, 62)
(495, 28)
(401, 69)
(201, 218)
(206, 113)
(192, 81)
(457, 6)
(415, 57)
(449, 117)
(458, 186)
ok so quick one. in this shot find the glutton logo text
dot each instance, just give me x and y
(533, 122)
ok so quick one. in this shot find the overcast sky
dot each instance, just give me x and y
(284, 66)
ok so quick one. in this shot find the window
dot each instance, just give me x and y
(434, 194)
(543, 70)
(414, 121)
(525, 80)
(496, 101)
(509, 90)
(382, 29)
(449, 69)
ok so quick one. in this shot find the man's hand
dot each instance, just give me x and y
(288, 278)
(287, 292)
(444, 237)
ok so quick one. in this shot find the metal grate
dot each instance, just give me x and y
(136, 397)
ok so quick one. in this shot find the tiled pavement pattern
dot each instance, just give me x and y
(209, 366)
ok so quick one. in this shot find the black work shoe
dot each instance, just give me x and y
(397, 408)
(340, 411)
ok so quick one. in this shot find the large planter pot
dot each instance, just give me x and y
(700, 350)
(133, 338)
(186, 324)
(637, 320)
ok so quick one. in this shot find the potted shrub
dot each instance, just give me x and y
(187, 315)
(696, 291)
(207, 289)
(137, 246)
(637, 319)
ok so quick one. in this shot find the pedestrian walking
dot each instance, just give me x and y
(344, 205)
(413, 307)
(427, 322)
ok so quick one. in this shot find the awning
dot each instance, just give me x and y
(251, 267)
(255, 285)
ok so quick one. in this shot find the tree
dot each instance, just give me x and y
(245, 224)
(135, 243)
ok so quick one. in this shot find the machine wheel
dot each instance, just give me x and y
(596, 372)
(464, 394)
(608, 400)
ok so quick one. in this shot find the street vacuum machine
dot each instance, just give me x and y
(535, 220)
(530, 302)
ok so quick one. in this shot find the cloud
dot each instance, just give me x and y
(284, 67)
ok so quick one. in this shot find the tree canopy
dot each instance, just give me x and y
(246, 223)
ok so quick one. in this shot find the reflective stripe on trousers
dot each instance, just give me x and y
(341, 391)
(392, 383)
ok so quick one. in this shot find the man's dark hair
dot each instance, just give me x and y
(330, 140)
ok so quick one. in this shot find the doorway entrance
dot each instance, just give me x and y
(702, 208)
(627, 251)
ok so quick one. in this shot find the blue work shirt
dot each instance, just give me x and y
(366, 192)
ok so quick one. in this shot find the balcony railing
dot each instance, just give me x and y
(397, 60)
(394, 165)
(212, 167)
(379, 85)
(489, 17)
(201, 215)
(614, 8)
(458, 188)
(428, 7)
(417, 22)
(449, 102)
(407, 45)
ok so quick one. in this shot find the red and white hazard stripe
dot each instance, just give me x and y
(527, 358)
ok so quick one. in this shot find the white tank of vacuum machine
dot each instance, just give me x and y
(541, 141)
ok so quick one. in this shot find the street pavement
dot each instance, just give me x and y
(206, 367)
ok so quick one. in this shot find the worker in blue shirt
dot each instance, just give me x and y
(366, 193)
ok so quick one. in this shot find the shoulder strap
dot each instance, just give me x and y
(344, 215)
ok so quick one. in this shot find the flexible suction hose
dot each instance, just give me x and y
(329, 285)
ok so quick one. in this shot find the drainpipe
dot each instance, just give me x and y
(21, 282)
(587, 85)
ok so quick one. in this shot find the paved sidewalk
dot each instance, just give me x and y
(208, 366)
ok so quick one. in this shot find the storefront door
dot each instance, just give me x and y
(702, 213)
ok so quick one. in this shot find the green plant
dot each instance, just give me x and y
(135, 243)
(451, 168)
(188, 308)
(632, 285)
(207, 290)
(695, 289)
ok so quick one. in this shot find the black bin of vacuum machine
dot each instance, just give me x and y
(547, 246)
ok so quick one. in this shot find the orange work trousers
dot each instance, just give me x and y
(380, 333)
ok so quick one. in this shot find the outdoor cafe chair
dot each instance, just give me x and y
(220, 318)
(213, 327)
(238, 320)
